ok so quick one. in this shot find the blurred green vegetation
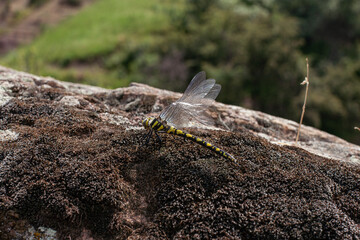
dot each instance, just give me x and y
(255, 49)
(75, 47)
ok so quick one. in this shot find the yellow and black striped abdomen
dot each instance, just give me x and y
(159, 126)
(203, 143)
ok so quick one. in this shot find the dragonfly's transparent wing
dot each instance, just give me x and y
(195, 82)
(190, 109)
(214, 92)
(181, 115)
(200, 88)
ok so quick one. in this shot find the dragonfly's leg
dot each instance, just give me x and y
(147, 137)
(158, 137)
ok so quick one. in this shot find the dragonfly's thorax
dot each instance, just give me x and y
(154, 123)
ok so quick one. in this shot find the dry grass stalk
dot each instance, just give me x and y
(306, 81)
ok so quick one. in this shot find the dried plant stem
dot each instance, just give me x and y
(306, 81)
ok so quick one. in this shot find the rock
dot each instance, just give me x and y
(72, 165)
(8, 135)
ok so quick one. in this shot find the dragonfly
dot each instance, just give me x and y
(188, 111)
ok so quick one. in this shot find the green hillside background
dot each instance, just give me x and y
(255, 49)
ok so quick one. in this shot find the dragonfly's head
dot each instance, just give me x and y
(146, 122)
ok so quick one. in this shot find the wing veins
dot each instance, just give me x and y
(191, 108)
